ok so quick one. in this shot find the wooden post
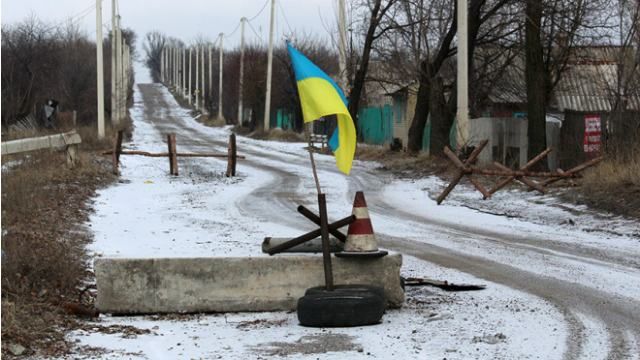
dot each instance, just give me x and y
(173, 158)
(326, 252)
(232, 157)
(117, 149)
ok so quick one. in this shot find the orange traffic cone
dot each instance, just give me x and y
(361, 241)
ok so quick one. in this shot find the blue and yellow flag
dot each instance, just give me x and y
(320, 96)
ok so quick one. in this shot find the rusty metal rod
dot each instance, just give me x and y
(311, 235)
(326, 252)
(316, 219)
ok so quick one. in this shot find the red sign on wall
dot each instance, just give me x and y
(592, 134)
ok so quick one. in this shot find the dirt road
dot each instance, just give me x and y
(592, 286)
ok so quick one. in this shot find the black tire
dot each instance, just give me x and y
(357, 288)
(340, 308)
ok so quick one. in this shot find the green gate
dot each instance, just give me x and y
(375, 125)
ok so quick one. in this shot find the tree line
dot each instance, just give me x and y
(42, 61)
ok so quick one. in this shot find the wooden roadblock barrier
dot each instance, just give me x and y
(172, 154)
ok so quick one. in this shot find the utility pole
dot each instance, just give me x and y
(178, 77)
(190, 67)
(123, 89)
(210, 73)
(99, 69)
(162, 65)
(462, 116)
(114, 93)
(267, 100)
(125, 78)
(220, 116)
(240, 110)
(119, 91)
(172, 61)
(197, 91)
(184, 72)
(176, 72)
(342, 46)
(165, 51)
(204, 102)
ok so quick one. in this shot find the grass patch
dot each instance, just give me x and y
(402, 163)
(614, 184)
(277, 134)
(44, 259)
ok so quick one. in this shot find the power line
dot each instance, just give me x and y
(259, 12)
(73, 19)
(285, 17)
(233, 32)
(255, 32)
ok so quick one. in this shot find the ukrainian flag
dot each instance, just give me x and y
(320, 96)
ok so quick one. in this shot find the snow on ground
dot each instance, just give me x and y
(514, 211)
(496, 323)
(152, 214)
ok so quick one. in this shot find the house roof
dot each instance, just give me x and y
(588, 84)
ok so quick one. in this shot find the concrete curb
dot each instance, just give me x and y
(186, 285)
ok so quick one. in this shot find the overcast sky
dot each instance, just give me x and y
(185, 19)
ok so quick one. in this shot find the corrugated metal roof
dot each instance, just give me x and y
(589, 84)
(589, 87)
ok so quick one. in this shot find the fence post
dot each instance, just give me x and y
(117, 148)
(232, 156)
(173, 157)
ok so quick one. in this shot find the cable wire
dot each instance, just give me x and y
(73, 19)
(256, 33)
(234, 31)
(285, 18)
(259, 12)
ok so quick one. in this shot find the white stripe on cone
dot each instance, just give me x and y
(361, 242)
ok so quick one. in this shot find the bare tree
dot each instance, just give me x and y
(377, 10)
(153, 46)
(537, 79)
(487, 25)
(43, 61)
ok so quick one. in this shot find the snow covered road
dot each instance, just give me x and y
(555, 291)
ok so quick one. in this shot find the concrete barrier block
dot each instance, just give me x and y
(186, 285)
